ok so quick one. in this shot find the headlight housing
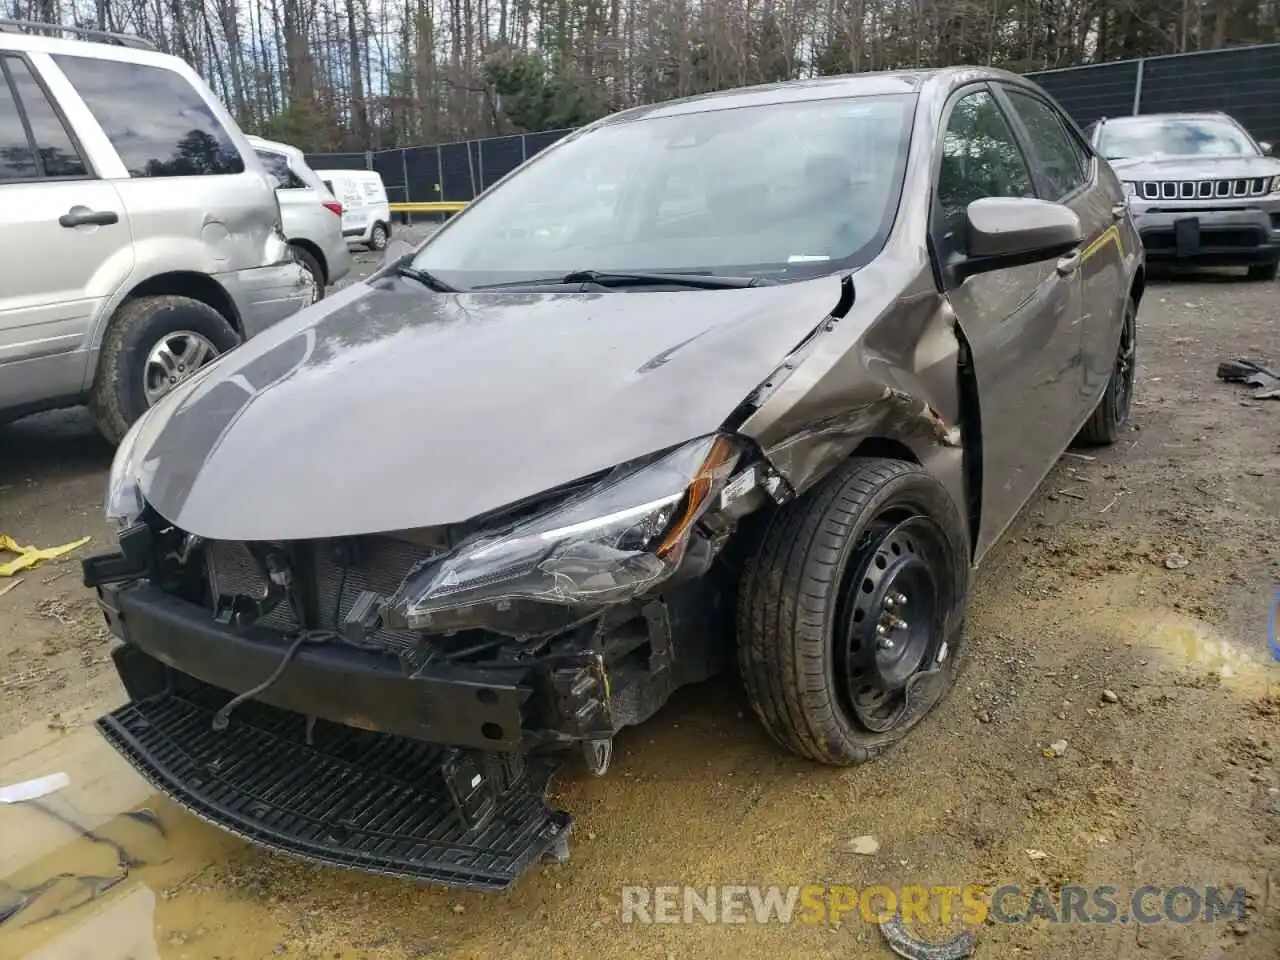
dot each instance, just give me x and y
(1130, 188)
(615, 542)
(1275, 185)
(124, 503)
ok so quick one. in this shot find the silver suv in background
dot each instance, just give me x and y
(139, 234)
(1203, 192)
(312, 215)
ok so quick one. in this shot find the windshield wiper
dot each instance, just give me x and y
(428, 280)
(692, 281)
(695, 281)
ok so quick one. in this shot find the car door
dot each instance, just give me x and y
(1021, 324)
(64, 243)
(1069, 173)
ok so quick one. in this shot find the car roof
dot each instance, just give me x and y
(346, 172)
(876, 83)
(19, 41)
(265, 144)
(1172, 115)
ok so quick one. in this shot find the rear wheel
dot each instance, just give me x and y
(1112, 413)
(312, 265)
(378, 237)
(1264, 271)
(850, 616)
(152, 344)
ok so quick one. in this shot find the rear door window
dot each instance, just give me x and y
(159, 124)
(17, 158)
(57, 154)
(1062, 158)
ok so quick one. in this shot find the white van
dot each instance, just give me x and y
(366, 213)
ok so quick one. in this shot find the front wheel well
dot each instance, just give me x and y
(197, 286)
(885, 448)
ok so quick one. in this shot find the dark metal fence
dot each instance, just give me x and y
(1244, 82)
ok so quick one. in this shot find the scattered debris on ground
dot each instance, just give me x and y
(28, 557)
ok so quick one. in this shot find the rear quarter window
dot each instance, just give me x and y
(278, 165)
(159, 124)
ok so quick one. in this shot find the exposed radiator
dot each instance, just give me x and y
(378, 563)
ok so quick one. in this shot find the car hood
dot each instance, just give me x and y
(1194, 168)
(387, 407)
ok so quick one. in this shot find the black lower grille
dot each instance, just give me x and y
(350, 798)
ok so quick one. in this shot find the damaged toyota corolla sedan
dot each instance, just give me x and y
(742, 384)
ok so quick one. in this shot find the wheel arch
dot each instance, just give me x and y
(885, 448)
(197, 286)
(316, 252)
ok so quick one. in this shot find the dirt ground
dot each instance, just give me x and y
(1175, 783)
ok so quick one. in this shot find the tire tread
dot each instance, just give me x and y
(783, 609)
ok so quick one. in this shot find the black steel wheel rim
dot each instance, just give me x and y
(892, 621)
(1126, 361)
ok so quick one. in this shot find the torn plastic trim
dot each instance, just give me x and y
(948, 436)
(804, 457)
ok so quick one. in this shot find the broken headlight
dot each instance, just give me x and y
(618, 540)
(124, 503)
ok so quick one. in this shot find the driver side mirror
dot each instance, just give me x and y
(1004, 232)
(1266, 147)
(274, 181)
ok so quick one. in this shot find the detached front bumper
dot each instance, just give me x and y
(359, 787)
(1209, 234)
(266, 295)
(515, 710)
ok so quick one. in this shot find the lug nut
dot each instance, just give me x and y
(886, 643)
(900, 598)
(881, 629)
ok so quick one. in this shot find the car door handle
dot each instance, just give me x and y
(1069, 264)
(84, 217)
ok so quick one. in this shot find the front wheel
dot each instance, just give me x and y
(851, 611)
